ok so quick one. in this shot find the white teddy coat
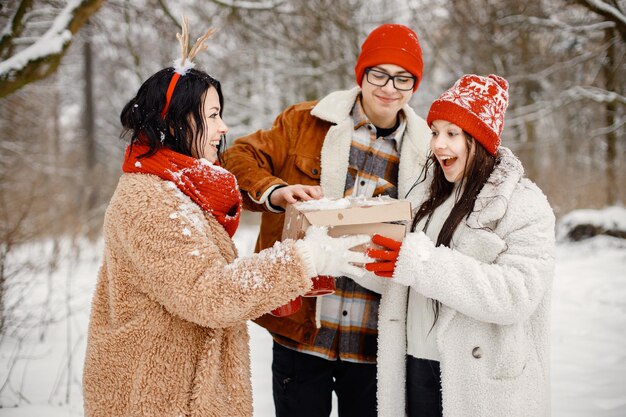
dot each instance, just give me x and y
(493, 328)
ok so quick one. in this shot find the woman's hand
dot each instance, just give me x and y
(332, 255)
(386, 258)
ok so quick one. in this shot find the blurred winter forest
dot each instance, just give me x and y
(68, 67)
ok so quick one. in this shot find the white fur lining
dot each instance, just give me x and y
(304, 251)
(318, 312)
(416, 249)
(336, 106)
(391, 371)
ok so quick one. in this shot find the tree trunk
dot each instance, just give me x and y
(89, 112)
(612, 84)
(89, 130)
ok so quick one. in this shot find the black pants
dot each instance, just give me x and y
(423, 388)
(303, 385)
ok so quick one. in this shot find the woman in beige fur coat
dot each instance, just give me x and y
(167, 334)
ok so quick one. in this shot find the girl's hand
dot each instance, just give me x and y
(386, 258)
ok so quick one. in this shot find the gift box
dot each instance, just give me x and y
(349, 216)
(345, 216)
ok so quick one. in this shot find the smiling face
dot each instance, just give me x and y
(214, 127)
(382, 104)
(450, 146)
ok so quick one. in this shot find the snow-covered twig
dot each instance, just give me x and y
(42, 57)
(596, 94)
(249, 5)
(545, 72)
(553, 23)
(608, 11)
(540, 109)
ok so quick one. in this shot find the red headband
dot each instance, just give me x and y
(170, 92)
(186, 62)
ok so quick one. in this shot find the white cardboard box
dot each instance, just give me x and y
(349, 216)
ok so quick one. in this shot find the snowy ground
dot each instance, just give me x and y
(40, 364)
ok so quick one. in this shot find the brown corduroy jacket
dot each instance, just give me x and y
(309, 143)
(167, 334)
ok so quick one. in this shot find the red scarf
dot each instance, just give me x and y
(212, 187)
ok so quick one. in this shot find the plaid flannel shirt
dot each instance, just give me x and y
(349, 317)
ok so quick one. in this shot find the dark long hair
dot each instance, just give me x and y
(142, 114)
(476, 173)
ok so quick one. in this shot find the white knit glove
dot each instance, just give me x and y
(331, 256)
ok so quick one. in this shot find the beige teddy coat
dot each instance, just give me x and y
(167, 334)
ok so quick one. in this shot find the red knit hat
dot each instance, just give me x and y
(476, 104)
(391, 44)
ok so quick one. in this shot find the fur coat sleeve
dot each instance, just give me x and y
(168, 249)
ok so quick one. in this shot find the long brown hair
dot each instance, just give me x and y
(476, 173)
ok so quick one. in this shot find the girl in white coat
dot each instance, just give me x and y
(471, 332)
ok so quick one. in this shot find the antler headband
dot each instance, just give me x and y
(182, 65)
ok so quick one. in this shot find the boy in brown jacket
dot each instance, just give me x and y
(360, 142)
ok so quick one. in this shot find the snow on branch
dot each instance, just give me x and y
(42, 57)
(14, 27)
(540, 109)
(596, 94)
(559, 66)
(249, 5)
(553, 23)
(609, 12)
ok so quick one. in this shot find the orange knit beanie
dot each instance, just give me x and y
(477, 105)
(391, 44)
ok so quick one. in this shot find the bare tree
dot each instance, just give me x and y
(612, 13)
(566, 75)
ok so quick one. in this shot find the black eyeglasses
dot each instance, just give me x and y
(380, 79)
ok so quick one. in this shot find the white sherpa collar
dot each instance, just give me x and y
(493, 199)
(336, 106)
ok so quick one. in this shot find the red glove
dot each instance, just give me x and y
(386, 258)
